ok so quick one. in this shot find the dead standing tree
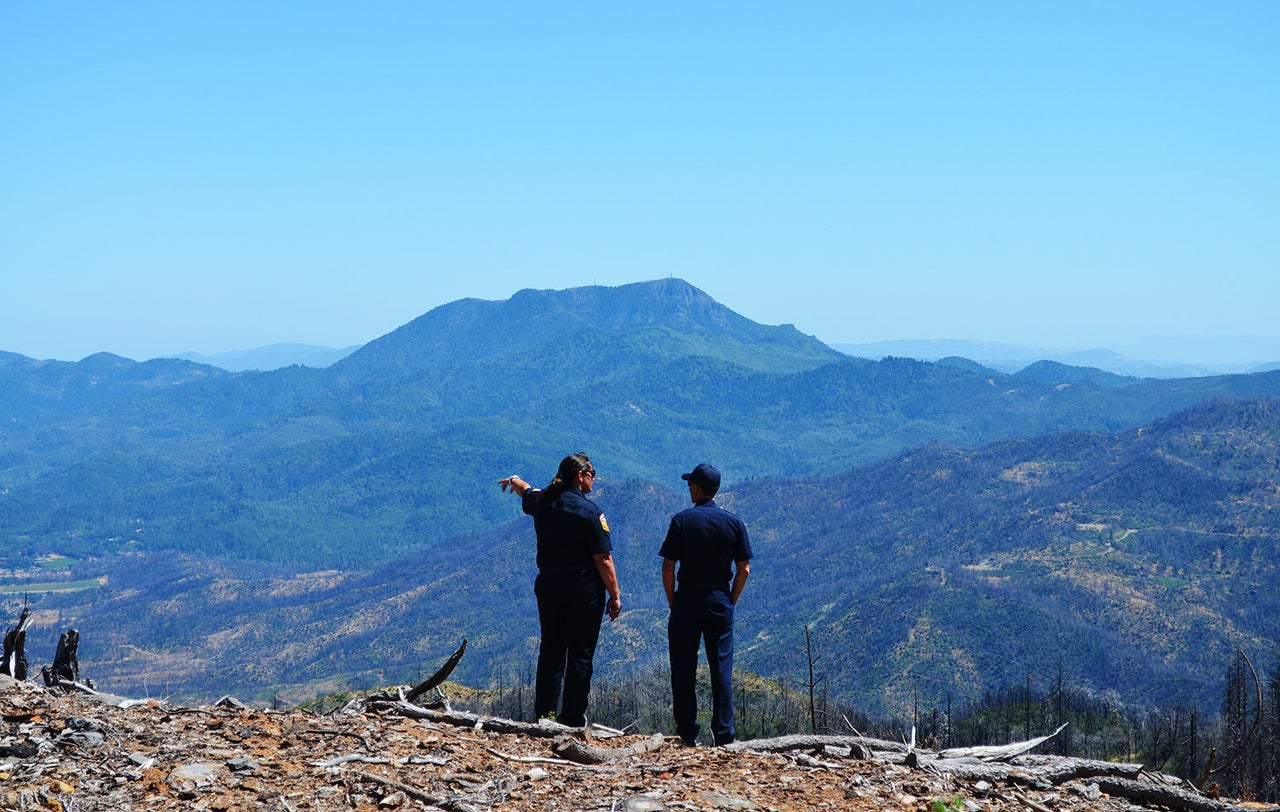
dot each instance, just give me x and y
(1209, 768)
(15, 641)
(66, 665)
(812, 684)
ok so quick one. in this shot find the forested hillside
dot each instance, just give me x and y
(1133, 562)
(394, 449)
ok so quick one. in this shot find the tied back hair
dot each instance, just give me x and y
(567, 475)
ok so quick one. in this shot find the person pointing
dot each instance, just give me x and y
(575, 571)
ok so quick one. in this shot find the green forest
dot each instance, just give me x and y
(941, 530)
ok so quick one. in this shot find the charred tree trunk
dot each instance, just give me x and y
(15, 640)
(66, 665)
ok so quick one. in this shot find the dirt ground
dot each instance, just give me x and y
(75, 752)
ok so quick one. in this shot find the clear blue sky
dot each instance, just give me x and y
(213, 176)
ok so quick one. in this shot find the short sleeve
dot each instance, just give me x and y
(743, 551)
(598, 532)
(671, 545)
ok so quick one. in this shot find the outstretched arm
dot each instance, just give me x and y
(515, 484)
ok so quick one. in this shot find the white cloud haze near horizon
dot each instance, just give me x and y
(208, 178)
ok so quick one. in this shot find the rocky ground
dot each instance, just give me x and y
(79, 752)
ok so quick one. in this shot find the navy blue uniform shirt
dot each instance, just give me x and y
(570, 529)
(706, 540)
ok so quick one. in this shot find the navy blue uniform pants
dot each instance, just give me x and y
(570, 608)
(706, 616)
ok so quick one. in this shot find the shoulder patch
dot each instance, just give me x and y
(604, 523)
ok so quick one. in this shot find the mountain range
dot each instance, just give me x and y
(272, 356)
(943, 528)
(1150, 359)
(1008, 358)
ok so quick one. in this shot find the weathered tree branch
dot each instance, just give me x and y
(1001, 752)
(452, 804)
(862, 748)
(583, 753)
(440, 675)
(497, 724)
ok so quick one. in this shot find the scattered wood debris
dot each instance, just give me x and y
(90, 751)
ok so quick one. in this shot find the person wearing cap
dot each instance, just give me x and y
(575, 570)
(706, 559)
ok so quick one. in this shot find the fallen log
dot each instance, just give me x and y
(1061, 769)
(861, 747)
(583, 753)
(544, 729)
(1042, 770)
(968, 769)
(1175, 798)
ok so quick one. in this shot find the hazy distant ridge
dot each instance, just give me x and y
(1006, 358)
(272, 356)
(1224, 356)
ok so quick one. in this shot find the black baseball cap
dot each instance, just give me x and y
(705, 475)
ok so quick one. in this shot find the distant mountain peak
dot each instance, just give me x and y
(670, 302)
(663, 318)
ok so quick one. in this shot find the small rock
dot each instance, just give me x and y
(395, 799)
(243, 764)
(90, 738)
(82, 724)
(61, 787)
(186, 777)
(537, 774)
